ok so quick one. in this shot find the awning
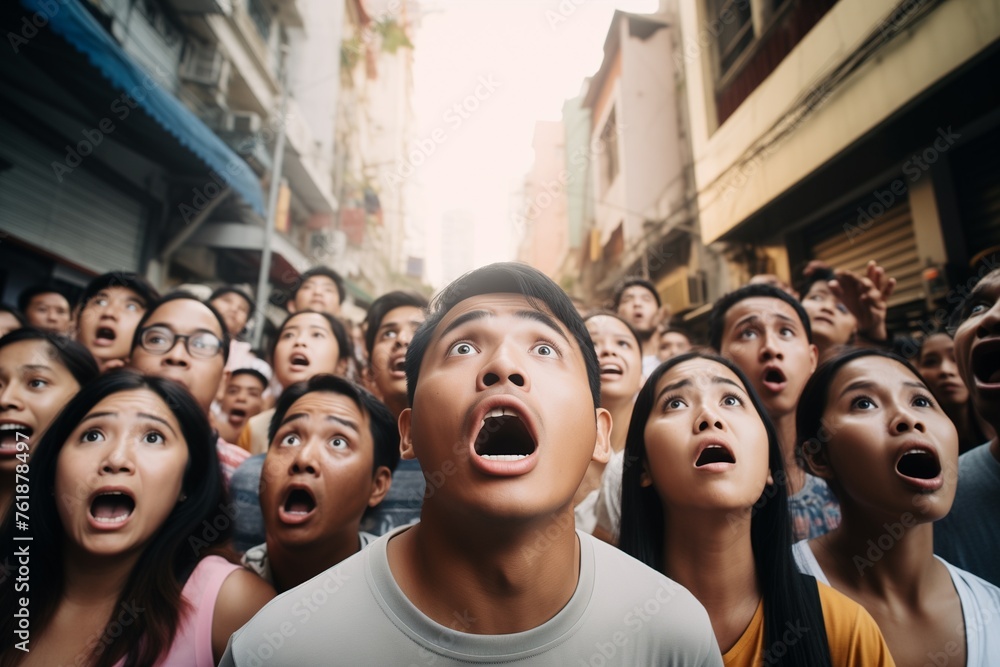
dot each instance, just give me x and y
(81, 30)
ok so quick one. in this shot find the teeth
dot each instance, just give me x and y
(503, 457)
(918, 451)
(714, 447)
(499, 412)
(112, 519)
(13, 427)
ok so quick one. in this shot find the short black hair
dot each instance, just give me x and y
(175, 296)
(382, 424)
(676, 330)
(336, 326)
(232, 289)
(76, 358)
(382, 306)
(717, 319)
(820, 275)
(320, 271)
(18, 315)
(632, 282)
(504, 278)
(252, 372)
(126, 279)
(26, 296)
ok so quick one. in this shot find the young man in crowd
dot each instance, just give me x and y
(504, 385)
(320, 289)
(107, 313)
(184, 339)
(639, 303)
(766, 332)
(392, 320)
(46, 308)
(242, 399)
(969, 537)
(672, 342)
(333, 449)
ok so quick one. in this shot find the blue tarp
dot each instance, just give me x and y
(78, 27)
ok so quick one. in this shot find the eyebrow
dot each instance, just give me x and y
(36, 367)
(716, 379)
(868, 384)
(330, 418)
(174, 332)
(98, 415)
(533, 315)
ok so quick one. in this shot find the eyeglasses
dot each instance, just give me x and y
(160, 340)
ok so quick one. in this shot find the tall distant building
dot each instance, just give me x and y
(458, 238)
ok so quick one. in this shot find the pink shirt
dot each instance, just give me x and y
(192, 645)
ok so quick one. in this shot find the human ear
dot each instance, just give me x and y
(380, 485)
(644, 478)
(602, 445)
(813, 357)
(814, 456)
(405, 442)
(770, 478)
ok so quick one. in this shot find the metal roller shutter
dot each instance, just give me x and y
(83, 218)
(889, 241)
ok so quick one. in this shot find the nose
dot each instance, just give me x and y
(404, 338)
(10, 398)
(304, 462)
(177, 355)
(989, 323)
(949, 368)
(707, 419)
(502, 367)
(769, 347)
(116, 458)
(904, 422)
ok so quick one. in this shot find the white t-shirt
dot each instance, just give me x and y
(621, 613)
(979, 598)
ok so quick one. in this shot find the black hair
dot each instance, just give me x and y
(252, 372)
(810, 433)
(24, 299)
(166, 562)
(124, 279)
(819, 275)
(76, 358)
(175, 296)
(18, 315)
(382, 306)
(338, 328)
(382, 424)
(232, 289)
(717, 319)
(632, 282)
(676, 330)
(642, 523)
(504, 278)
(320, 271)
(610, 313)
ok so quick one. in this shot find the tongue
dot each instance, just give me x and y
(995, 377)
(112, 507)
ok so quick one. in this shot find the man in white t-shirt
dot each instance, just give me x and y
(639, 303)
(503, 384)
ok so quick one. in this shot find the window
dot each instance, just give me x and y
(734, 23)
(261, 17)
(609, 158)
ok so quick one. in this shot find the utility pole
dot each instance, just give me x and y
(272, 203)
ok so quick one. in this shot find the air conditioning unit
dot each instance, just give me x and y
(244, 122)
(205, 65)
(685, 291)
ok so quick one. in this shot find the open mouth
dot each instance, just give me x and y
(919, 464)
(112, 507)
(504, 436)
(986, 362)
(774, 379)
(398, 366)
(299, 503)
(106, 335)
(11, 434)
(714, 454)
(299, 360)
(610, 369)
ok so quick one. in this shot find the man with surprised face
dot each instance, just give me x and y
(503, 381)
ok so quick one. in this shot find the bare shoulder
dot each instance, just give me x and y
(242, 595)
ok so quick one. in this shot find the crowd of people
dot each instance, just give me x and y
(500, 475)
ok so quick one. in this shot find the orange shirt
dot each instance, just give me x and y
(851, 632)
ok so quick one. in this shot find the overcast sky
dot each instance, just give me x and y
(484, 73)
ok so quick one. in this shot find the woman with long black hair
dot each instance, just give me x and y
(869, 425)
(704, 501)
(125, 502)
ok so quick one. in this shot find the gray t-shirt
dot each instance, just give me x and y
(969, 537)
(622, 613)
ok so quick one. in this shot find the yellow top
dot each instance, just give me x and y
(851, 632)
